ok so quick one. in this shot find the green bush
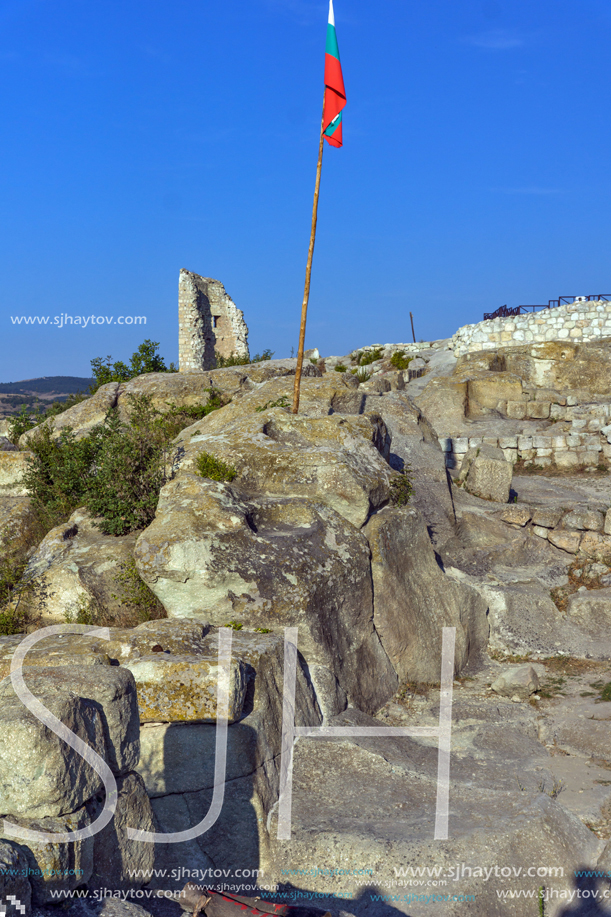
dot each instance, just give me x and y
(116, 472)
(400, 360)
(22, 422)
(340, 368)
(364, 358)
(208, 466)
(58, 472)
(139, 602)
(177, 417)
(144, 360)
(131, 467)
(13, 620)
(235, 360)
(401, 489)
(281, 402)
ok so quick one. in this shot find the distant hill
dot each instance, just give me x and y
(47, 385)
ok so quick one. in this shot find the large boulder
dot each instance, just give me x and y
(487, 473)
(339, 460)
(81, 418)
(40, 775)
(270, 561)
(112, 692)
(414, 599)
(79, 569)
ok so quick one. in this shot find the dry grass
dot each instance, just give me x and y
(579, 574)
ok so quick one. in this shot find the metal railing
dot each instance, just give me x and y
(506, 312)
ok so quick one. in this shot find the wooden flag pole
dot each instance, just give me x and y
(306, 291)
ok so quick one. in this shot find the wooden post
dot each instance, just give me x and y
(306, 291)
(411, 318)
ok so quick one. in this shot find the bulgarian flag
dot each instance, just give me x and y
(335, 94)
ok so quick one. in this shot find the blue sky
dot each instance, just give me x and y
(141, 137)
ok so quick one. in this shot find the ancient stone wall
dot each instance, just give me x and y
(579, 321)
(208, 321)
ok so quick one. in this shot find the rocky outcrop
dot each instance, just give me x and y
(79, 567)
(414, 599)
(13, 465)
(338, 460)
(272, 561)
(487, 474)
(81, 418)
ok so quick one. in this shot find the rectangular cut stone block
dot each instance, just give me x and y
(525, 442)
(588, 458)
(516, 410)
(516, 514)
(566, 459)
(566, 541)
(511, 455)
(538, 410)
(547, 517)
(508, 442)
(540, 531)
(184, 688)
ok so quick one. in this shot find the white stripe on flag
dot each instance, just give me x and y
(331, 14)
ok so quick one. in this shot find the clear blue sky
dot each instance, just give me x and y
(142, 137)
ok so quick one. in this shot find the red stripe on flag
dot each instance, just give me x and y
(333, 75)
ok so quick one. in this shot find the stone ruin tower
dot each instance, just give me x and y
(208, 321)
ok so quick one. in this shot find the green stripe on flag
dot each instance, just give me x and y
(331, 46)
(334, 125)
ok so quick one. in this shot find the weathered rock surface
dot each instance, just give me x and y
(16, 521)
(376, 806)
(487, 473)
(591, 611)
(79, 566)
(111, 690)
(39, 774)
(337, 460)
(520, 681)
(13, 465)
(56, 868)
(414, 600)
(58, 650)
(81, 418)
(184, 688)
(271, 561)
(14, 880)
(118, 861)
